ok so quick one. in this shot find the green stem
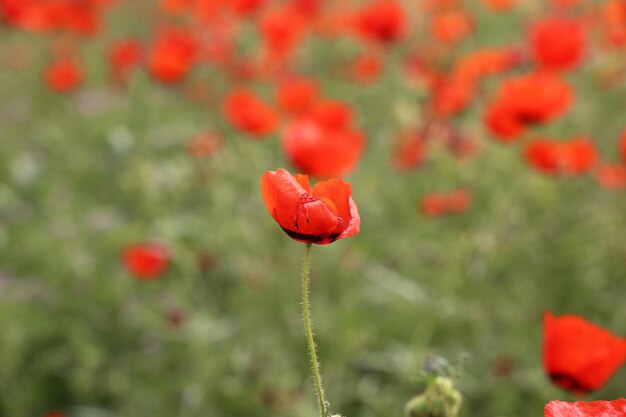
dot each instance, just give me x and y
(308, 327)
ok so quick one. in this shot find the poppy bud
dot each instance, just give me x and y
(440, 399)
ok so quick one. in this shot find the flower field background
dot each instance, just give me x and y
(116, 157)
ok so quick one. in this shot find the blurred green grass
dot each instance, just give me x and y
(84, 175)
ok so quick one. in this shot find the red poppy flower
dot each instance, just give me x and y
(204, 145)
(576, 156)
(296, 95)
(172, 56)
(333, 114)
(382, 21)
(578, 355)
(432, 205)
(366, 68)
(281, 30)
(452, 95)
(146, 261)
(320, 151)
(615, 408)
(484, 62)
(246, 112)
(63, 76)
(321, 214)
(499, 5)
(558, 43)
(451, 26)
(526, 100)
(612, 177)
(437, 204)
(613, 22)
(410, 153)
(124, 56)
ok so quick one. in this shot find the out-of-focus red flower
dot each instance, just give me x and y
(63, 75)
(247, 113)
(499, 5)
(615, 408)
(296, 95)
(146, 261)
(172, 55)
(246, 7)
(452, 95)
(485, 62)
(451, 26)
(366, 68)
(579, 356)
(332, 114)
(175, 6)
(382, 21)
(204, 145)
(612, 177)
(320, 151)
(320, 215)
(410, 153)
(124, 56)
(558, 43)
(438, 204)
(574, 157)
(281, 30)
(613, 22)
(530, 99)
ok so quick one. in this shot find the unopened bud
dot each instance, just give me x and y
(440, 399)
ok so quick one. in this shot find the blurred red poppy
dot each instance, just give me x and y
(612, 177)
(622, 146)
(438, 204)
(534, 98)
(499, 5)
(615, 408)
(410, 152)
(320, 215)
(320, 151)
(63, 75)
(247, 113)
(124, 55)
(558, 43)
(366, 68)
(172, 55)
(296, 95)
(145, 261)
(574, 157)
(451, 26)
(381, 21)
(579, 356)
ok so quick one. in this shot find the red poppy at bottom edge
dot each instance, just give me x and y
(320, 214)
(579, 356)
(616, 408)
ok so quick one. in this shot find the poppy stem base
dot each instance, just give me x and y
(308, 328)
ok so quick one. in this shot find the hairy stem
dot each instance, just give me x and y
(308, 328)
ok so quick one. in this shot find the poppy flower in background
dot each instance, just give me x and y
(622, 146)
(535, 98)
(332, 114)
(451, 26)
(574, 157)
(172, 55)
(613, 22)
(296, 95)
(410, 153)
(145, 261)
(382, 21)
(248, 114)
(615, 408)
(245, 7)
(499, 5)
(612, 177)
(452, 95)
(579, 356)
(558, 43)
(321, 215)
(438, 204)
(124, 55)
(366, 68)
(63, 75)
(321, 151)
(485, 62)
(281, 30)
(204, 145)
